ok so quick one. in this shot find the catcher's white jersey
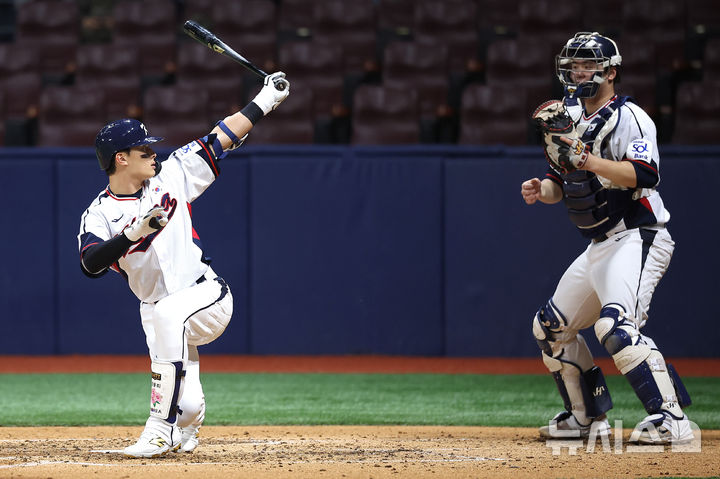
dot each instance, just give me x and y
(629, 134)
(171, 259)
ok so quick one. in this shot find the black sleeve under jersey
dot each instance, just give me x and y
(96, 259)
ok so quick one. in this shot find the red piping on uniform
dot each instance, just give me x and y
(214, 168)
(555, 178)
(599, 109)
(86, 247)
(644, 164)
(111, 195)
(646, 204)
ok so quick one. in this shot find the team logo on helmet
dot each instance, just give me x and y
(120, 135)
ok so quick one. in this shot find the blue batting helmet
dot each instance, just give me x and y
(586, 46)
(120, 135)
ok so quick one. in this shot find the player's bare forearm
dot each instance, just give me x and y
(238, 124)
(619, 172)
(545, 191)
(550, 192)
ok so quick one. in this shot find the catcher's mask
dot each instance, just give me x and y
(586, 46)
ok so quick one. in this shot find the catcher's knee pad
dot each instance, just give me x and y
(620, 338)
(207, 324)
(165, 389)
(547, 322)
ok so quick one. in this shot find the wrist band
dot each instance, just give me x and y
(233, 137)
(253, 112)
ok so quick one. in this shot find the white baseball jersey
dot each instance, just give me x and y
(631, 249)
(628, 134)
(618, 131)
(171, 259)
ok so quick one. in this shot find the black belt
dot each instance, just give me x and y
(201, 279)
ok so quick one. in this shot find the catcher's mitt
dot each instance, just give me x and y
(554, 121)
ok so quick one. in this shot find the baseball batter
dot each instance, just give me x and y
(140, 226)
(605, 168)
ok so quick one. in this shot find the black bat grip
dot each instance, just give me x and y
(279, 85)
(198, 32)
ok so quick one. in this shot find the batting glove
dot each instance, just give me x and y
(153, 221)
(270, 96)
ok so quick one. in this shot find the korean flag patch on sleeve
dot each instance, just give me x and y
(640, 150)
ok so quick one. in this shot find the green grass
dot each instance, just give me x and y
(254, 399)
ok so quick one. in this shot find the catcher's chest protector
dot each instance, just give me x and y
(594, 209)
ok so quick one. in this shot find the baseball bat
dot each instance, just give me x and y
(210, 40)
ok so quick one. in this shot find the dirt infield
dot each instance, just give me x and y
(342, 451)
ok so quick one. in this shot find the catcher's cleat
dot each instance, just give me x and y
(663, 428)
(565, 426)
(156, 440)
(188, 439)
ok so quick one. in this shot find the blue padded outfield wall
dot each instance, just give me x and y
(420, 250)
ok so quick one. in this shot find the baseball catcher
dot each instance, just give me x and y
(604, 166)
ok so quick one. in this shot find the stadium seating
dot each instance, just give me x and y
(385, 116)
(177, 113)
(22, 94)
(54, 26)
(105, 67)
(498, 19)
(148, 27)
(696, 116)
(395, 20)
(202, 70)
(70, 116)
(549, 21)
(296, 19)
(452, 24)
(602, 17)
(351, 25)
(526, 64)
(422, 67)
(703, 17)
(637, 77)
(437, 48)
(317, 67)
(493, 114)
(711, 60)
(250, 27)
(291, 124)
(657, 22)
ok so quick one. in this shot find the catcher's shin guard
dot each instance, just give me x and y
(642, 365)
(580, 383)
(682, 393)
(167, 378)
